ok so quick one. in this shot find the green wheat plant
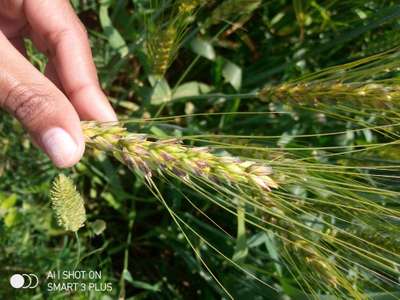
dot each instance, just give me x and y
(269, 169)
(330, 216)
(368, 86)
(335, 229)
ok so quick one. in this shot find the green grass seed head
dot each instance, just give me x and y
(67, 204)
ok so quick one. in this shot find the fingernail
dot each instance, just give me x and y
(108, 115)
(60, 147)
(105, 113)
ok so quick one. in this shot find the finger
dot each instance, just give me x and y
(12, 19)
(43, 110)
(56, 25)
(51, 73)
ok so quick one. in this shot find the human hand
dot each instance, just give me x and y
(50, 106)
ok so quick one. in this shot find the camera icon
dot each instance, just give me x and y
(24, 281)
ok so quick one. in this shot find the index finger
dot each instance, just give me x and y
(55, 26)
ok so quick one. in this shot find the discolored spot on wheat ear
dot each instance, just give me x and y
(67, 204)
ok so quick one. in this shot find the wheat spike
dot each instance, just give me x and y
(315, 93)
(172, 158)
(166, 32)
(68, 204)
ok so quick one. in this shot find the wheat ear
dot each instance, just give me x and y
(169, 157)
(315, 93)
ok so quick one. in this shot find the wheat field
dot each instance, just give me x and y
(256, 156)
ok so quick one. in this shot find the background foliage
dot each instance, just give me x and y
(129, 236)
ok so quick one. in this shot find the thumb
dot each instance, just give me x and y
(43, 110)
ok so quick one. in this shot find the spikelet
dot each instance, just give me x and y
(172, 158)
(67, 204)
